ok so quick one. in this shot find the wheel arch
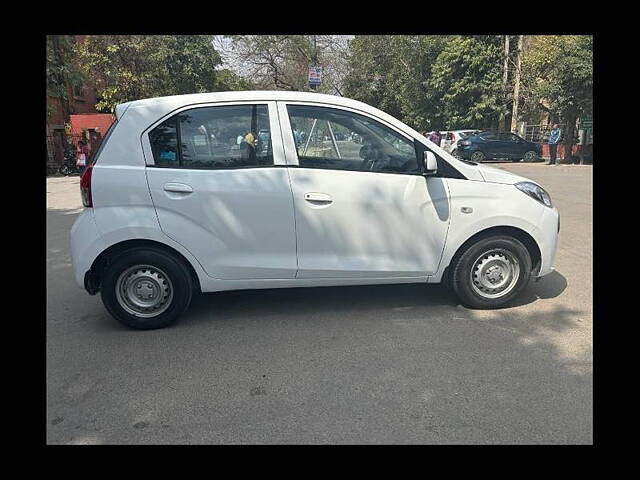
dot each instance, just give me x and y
(92, 279)
(527, 240)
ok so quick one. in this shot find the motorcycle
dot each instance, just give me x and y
(68, 166)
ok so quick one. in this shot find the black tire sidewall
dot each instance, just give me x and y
(535, 156)
(484, 157)
(175, 270)
(460, 278)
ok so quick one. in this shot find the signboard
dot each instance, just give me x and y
(315, 76)
(586, 122)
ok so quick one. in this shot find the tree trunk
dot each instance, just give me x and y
(516, 87)
(64, 100)
(505, 79)
(569, 134)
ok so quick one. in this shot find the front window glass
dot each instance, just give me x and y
(336, 139)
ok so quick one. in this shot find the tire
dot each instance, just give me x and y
(491, 255)
(64, 170)
(477, 156)
(530, 156)
(164, 283)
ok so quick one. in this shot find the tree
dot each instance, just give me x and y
(557, 76)
(391, 72)
(62, 70)
(466, 83)
(281, 62)
(129, 67)
(369, 80)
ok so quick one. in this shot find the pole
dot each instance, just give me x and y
(505, 78)
(314, 58)
(516, 88)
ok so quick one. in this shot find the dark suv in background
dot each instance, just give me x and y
(489, 145)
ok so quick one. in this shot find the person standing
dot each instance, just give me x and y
(554, 140)
(82, 154)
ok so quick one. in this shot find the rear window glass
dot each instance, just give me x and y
(164, 143)
(214, 138)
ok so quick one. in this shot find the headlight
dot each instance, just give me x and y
(535, 191)
(464, 143)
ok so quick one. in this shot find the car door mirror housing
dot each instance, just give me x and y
(430, 163)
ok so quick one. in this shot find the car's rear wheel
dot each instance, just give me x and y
(146, 288)
(491, 272)
(530, 156)
(477, 156)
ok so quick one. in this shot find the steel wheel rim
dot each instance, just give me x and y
(144, 291)
(477, 156)
(495, 273)
(529, 156)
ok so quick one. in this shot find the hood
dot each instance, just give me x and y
(497, 175)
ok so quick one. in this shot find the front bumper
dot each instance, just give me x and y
(548, 235)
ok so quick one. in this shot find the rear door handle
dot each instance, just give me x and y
(178, 187)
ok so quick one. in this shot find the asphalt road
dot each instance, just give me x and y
(379, 364)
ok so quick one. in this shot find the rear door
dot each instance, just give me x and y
(224, 194)
(490, 144)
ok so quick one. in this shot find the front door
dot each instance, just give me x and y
(224, 194)
(363, 209)
(510, 145)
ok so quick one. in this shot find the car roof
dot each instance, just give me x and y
(241, 95)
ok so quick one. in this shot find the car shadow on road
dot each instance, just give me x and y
(349, 299)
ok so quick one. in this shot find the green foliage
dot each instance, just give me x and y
(62, 70)
(431, 81)
(466, 78)
(557, 73)
(130, 67)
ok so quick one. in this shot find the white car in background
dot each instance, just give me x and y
(451, 139)
(170, 213)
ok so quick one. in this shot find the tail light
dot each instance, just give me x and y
(85, 187)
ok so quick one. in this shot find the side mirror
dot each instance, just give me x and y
(430, 163)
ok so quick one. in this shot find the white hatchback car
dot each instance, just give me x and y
(210, 192)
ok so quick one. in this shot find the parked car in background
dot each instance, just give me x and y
(167, 215)
(450, 140)
(490, 145)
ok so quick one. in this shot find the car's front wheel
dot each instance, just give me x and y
(530, 156)
(146, 288)
(491, 272)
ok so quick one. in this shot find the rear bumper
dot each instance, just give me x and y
(85, 242)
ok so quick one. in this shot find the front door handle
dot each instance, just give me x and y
(178, 187)
(315, 198)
